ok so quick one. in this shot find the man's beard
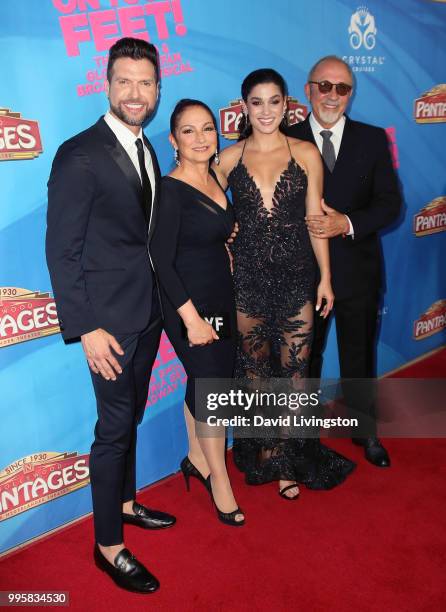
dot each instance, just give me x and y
(330, 116)
(138, 121)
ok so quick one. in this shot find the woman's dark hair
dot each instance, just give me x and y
(181, 106)
(135, 49)
(258, 77)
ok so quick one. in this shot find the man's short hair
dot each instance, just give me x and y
(331, 58)
(136, 49)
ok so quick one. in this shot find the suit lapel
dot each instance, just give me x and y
(347, 148)
(310, 137)
(157, 174)
(120, 157)
(307, 131)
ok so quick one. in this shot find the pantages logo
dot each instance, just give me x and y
(431, 219)
(230, 116)
(431, 106)
(25, 315)
(362, 33)
(19, 138)
(430, 322)
(39, 478)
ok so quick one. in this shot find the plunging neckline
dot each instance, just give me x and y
(291, 162)
(269, 211)
(214, 202)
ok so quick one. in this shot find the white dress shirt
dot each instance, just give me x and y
(128, 139)
(336, 138)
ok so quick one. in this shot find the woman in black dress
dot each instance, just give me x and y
(193, 265)
(275, 181)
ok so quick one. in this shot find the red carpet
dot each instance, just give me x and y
(376, 543)
(432, 366)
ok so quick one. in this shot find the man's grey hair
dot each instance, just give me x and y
(331, 58)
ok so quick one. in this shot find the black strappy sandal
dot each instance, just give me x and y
(287, 488)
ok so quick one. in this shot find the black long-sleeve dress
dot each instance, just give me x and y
(191, 260)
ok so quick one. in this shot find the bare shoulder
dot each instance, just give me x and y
(302, 147)
(306, 153)
(230, 156)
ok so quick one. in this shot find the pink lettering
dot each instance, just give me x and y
(101, 30)
(180, 28)
(73, 37)
(159, 10)
(165, 352)
(69, 6)
(85, 5)
(391, 136)
(130, 24)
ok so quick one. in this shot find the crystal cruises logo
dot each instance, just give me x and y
(431, 219)
(25, 315)
(430, 322)
(39, 478)
(19, 138)
(362, 29)
(230, 116)
(362, 32)
(430, 107)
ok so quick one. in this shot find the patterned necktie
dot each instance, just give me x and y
(328, 152)
(146, 187)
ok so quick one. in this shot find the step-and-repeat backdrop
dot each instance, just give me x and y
(54, 55)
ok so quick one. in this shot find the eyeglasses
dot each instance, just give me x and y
(342, 89)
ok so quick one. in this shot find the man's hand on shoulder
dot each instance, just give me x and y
(98, 347)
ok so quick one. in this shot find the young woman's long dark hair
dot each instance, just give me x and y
(258, 77)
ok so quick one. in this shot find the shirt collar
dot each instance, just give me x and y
(125, 136)
(337, 128)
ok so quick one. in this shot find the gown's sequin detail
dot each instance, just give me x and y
(274, 277)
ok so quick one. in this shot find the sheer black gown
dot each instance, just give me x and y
(275, 279)
(191, 260)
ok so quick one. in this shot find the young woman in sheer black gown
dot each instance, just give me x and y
(189, 247)
(274, 182)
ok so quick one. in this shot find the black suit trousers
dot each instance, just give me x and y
(356, 327)
(120, 406)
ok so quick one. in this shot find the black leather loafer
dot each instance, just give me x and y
(374, 451)
(127, 572)
(147, 518)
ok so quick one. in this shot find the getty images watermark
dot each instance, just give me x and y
(261, 400)
(310, 408)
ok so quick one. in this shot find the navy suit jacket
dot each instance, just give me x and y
(364, 186)
(97, 241)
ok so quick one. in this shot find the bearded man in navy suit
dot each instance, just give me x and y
(362, 195)
(103, 196)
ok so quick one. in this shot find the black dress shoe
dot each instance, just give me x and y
(147, 518)
(127, 572)
(374, 451)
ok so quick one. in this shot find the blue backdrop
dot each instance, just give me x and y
(53, 60)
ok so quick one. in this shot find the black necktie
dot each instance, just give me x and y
(328, 152)
(146, 187)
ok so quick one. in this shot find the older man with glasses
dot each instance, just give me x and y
(362, 195)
